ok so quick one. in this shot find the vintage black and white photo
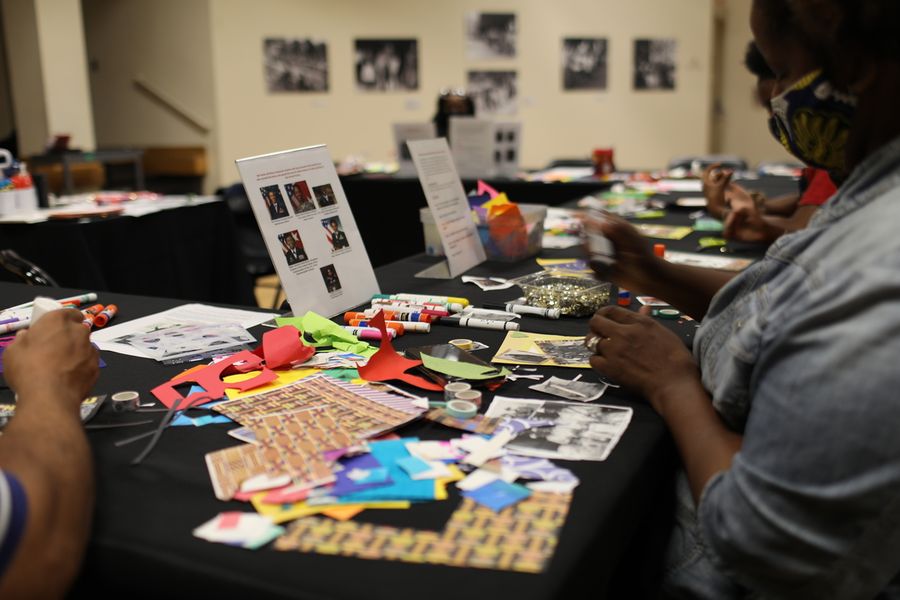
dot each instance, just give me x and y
(494, 92)
(490, 35)
(387, 65)
(654, 64)
(296, 65)
(579, 432)
(584, 63)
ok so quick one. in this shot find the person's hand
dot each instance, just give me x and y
(737, 198)
(639, 353)
(635, 267)
(54, 358)
(715, 182)
(746, 223)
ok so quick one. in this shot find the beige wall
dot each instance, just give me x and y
(48, 72)
(165, 43)
(741, 123)
(7, 120)
(646, 128)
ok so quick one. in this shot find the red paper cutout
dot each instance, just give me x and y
(210, 379)
(387, 364)
(281, 347)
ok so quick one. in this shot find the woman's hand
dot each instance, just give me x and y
(634, 268)
(715, 182)
(641, 354)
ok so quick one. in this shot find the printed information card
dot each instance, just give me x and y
(449, 207)
(309, 230)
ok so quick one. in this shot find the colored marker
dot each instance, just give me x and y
(10, 320)
(395, 325)
(74, 300)
(407, 325)
(10, 327)
(453, 303)
(487, 313)
(105, 315)
(370, 333)
(428, 309)
(476, 323)
(389, 314)
(524, 309)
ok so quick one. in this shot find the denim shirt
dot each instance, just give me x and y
(801, 354)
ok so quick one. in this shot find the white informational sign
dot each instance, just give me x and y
(449, 207)
(484, 147)
(309, 230)
(404, 132)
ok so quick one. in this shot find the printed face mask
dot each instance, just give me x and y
(812, 121)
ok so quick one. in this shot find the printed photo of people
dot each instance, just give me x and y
(494, 92)
(274, 201)
(334, 232)
(490, 35)
(325, 195)
(329, 275)
(579, 431)
(584, 63)
(292, 246)
(654, 64)
(300, 197)
(387, 65)
(296, 65)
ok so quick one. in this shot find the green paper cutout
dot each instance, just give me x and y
(462, 370)
(327, 333)
(708, 225)
(345, 374)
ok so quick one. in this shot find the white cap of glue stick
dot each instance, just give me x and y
(42, 306)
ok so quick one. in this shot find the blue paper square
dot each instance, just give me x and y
(498, 494)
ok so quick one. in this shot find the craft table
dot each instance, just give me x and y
(188, 253)
(142, 540)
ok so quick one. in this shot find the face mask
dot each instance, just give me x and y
(812, 121)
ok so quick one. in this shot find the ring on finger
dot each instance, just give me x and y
(591, 343)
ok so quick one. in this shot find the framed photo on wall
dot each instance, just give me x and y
(387, 65)
(295, 65)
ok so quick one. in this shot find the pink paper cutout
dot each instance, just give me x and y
(210, 379)
(281, 347)
(244, 496)
(386, 364)
(286, 495)
(229, 520)
(484, 188)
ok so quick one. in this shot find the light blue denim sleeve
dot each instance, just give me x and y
(810, 507)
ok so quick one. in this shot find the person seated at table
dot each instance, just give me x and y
(749, 216)
(785, 416)
(46, 476)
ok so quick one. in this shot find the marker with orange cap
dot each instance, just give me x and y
(105, 315)
(408, 326)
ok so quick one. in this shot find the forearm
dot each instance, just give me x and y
(706, 446)
(797, 220)
(782, 205)
(689, 289)
(45, 447)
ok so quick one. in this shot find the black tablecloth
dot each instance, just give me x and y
(142, 543)
(189, 253)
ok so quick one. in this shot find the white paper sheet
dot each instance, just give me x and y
(187, 313)
(309, 230)
(449, 207)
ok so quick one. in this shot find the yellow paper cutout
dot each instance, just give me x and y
(284, 378)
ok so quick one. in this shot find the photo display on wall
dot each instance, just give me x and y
(654, 64)
(387, 65)
(295, 65)
(490, 36)
(494, 92)
(309, 230)
(584, 63)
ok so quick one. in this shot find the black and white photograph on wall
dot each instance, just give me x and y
(296, 65)
(494, 92)
(654, 64)
(387, 65)
(584, 63)
(490, 35)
